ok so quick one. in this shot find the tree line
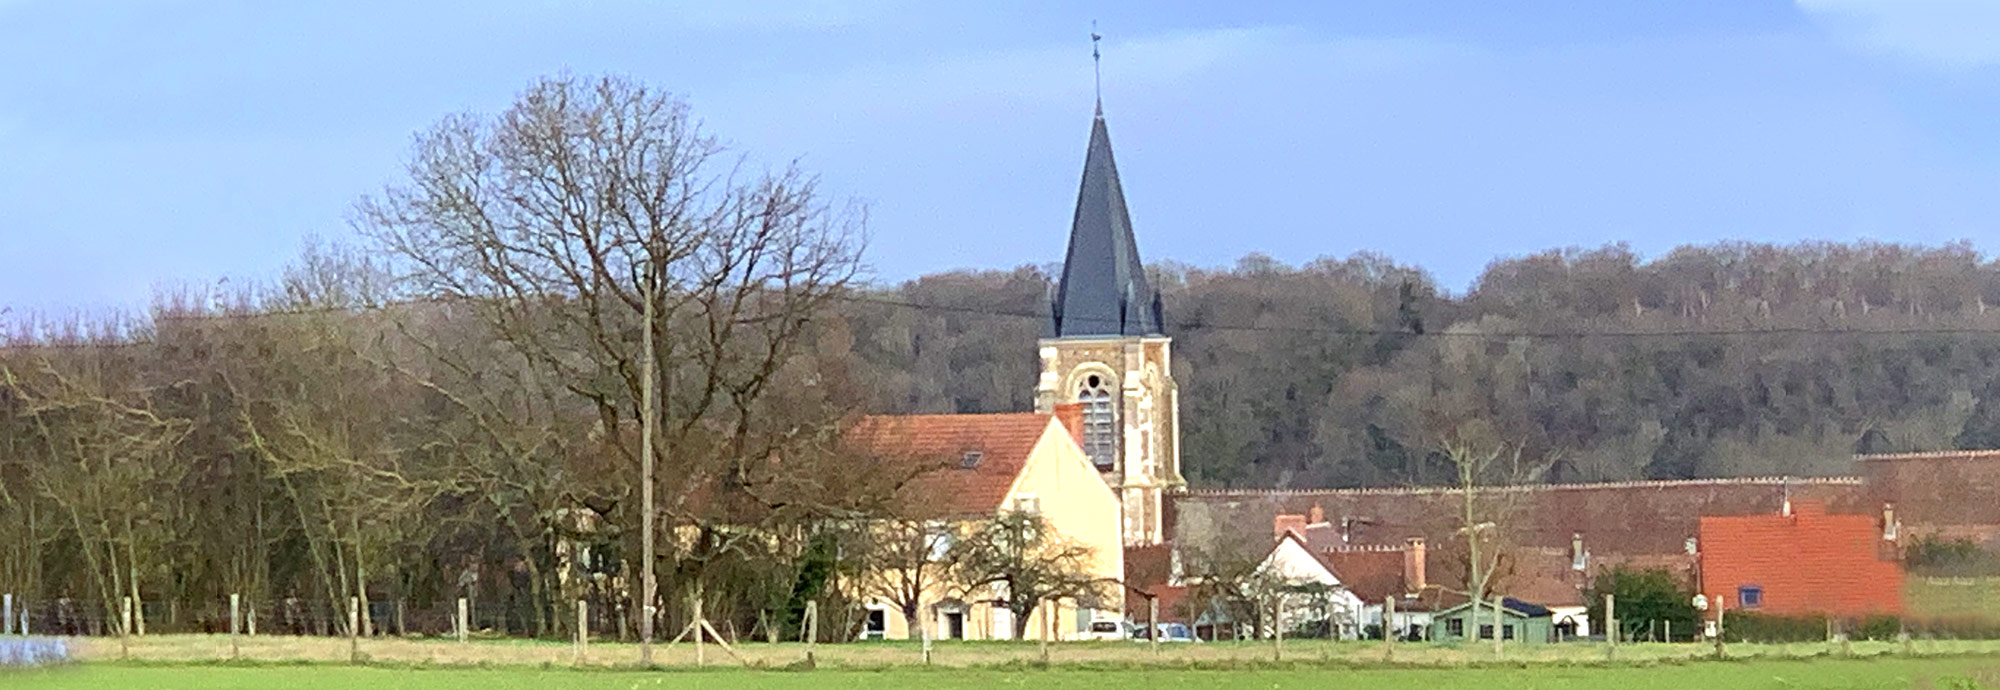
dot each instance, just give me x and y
(451, 405)
(1732, 359)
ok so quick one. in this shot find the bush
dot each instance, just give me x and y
(1750, 626)
(1880, 628)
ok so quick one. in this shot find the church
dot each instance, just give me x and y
(1097, 458)
(1106, 350)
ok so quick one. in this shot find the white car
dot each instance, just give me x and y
(1109, 630)
(1169, 632)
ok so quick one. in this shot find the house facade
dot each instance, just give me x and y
(975, 467)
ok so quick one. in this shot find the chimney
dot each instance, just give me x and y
(1317, 516)
(1889, 526)
(1288, 523)
(1071, 416)
(1413, 565)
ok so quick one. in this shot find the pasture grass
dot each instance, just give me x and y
(1868, 673)
(205, 649)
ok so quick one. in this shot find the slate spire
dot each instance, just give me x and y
(1103, 291)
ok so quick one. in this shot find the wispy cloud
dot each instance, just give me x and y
(1955, 34)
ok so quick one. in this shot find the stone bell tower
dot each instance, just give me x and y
(1105, 350)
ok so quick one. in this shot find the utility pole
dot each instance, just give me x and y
(646, 409)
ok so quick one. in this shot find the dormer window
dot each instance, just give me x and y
(1100, 428)
(970, 459)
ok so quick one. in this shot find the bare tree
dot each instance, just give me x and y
(907, 564)
(1489, 474)
(591, 203)
(1022, 555)
(95, 452)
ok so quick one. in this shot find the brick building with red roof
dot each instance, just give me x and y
(1805, 562)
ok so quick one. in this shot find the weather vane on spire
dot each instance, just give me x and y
(1097, 66)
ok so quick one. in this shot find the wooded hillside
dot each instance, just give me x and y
(1723, 360)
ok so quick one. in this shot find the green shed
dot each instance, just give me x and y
(1524, 622)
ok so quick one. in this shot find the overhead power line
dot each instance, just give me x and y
(1182, 327)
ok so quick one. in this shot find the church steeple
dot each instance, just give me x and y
(1105, 355)
(1103, 290)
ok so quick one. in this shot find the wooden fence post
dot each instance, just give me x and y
(1610, 627)
(1499, 623)
(582, 629)
(7, 618)
(1153, 623)
(1047, 627)
(810, 630)
(125, 627)
(464, 622)
(1278, 629)
(1720, 631)
(700, 652)
(1389, 627)
(250, 620)
(235, 624)
(354, 630)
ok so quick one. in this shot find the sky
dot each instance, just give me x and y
(147, 144)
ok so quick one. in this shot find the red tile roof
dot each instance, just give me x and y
(934, 447)
(1808, 562)
(1372, 574)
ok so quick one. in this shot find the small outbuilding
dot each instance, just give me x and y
(1523, 622)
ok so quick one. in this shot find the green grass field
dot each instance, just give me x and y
(1886, 673)
(198, 649)
(204, 661)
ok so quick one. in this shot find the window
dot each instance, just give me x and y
(1507, 632)
(877, 625)
(1100, 428)
(1455, 627)
(971, 459)
(939, 537)
(1486, 631)
(1749, 596)
(1031, 505)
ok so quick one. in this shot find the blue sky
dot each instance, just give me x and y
(152, 142)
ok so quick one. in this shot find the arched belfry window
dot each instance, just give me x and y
(1100, 427)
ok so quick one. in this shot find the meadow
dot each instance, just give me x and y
(205, 649)
(210, 661)
(1942, 673)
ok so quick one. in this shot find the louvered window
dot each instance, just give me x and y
(1100, 423)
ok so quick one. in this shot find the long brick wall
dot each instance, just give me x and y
(1618, 518)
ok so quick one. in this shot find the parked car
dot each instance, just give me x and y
(1169, 632)
(1109, 630)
